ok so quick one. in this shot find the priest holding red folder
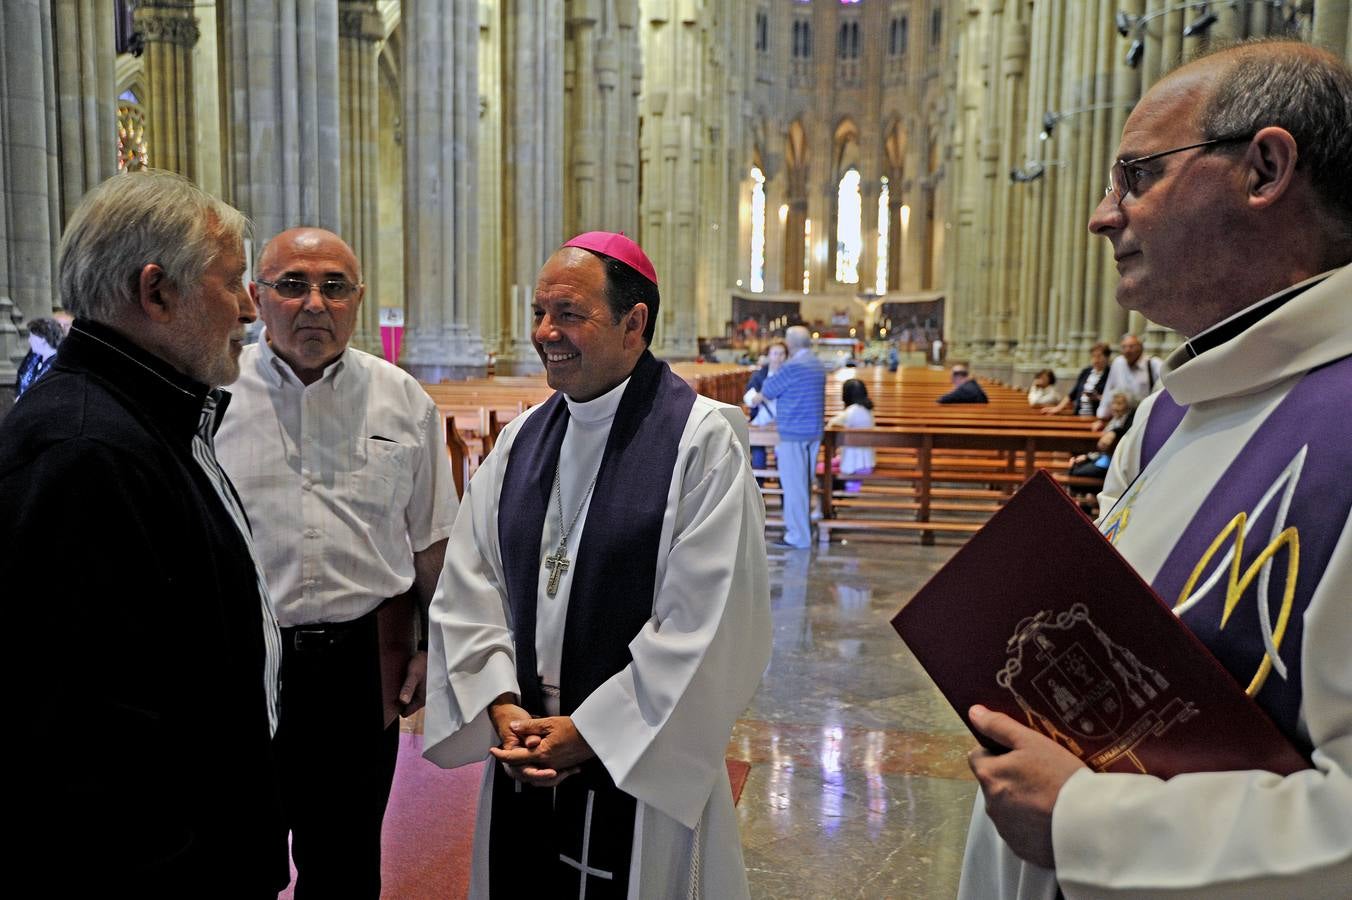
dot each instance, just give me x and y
(1229, 212)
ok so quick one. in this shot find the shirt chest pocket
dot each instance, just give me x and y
(385, 480)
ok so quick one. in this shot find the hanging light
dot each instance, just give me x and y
(1134, 53)
(1199, 25)
(1125, 22)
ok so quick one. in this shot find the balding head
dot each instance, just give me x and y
(306, 239)
(797, 337)
(1215, 203)
(308, 291)
(1305, 90)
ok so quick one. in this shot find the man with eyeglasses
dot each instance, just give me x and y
(1230, 218)
(338, 457)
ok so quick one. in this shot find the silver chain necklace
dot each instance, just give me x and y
(559, 562)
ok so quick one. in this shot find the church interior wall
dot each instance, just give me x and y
(635, 115)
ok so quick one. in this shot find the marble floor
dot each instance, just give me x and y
(859, 784)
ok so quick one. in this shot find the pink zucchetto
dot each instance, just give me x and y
(617, 246)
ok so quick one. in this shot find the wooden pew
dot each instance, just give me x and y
(1020, 451)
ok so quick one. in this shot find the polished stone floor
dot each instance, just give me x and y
(859, 784)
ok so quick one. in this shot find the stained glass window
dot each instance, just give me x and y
(849, 228)
(757, 230)
(884, 233)
(132, 152)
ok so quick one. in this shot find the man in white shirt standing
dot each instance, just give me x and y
(339, 460)
(603, 617)
(1132, 372)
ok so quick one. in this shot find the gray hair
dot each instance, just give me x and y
(1303, 89)
(796, 337)
(130, 221)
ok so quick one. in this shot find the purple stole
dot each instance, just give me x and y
(1306, 419)
(581, 832)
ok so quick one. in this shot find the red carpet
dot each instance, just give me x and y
(429, 825)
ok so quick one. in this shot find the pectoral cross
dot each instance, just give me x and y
(557, 565)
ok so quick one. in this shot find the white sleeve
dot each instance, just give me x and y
(1231, 834)
(661, 725)
(471, 659)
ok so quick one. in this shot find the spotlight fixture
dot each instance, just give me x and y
(1031, 171)
(1199, 25)
(1134, 53)
(1052, 116)
(1129, 25)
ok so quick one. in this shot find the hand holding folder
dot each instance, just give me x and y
(1075, 645)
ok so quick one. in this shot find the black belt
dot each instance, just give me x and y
(321, 636)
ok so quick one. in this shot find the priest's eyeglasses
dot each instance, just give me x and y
(1123, 176)
(336, 289)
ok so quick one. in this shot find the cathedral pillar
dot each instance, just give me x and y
(602, 78)
(29, 215)
(672, 149)
(284, 160)
(441, 238)
(170, 31)
(360, 30)
(1032, 310)
(532, 165)
(1333, 26)
(58, 139)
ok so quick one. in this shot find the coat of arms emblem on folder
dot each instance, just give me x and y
(1086, 691)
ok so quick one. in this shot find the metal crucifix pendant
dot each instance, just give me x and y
(557, 565)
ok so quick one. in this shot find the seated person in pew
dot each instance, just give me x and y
(1095, 464)
(1084, 397)
(965, 388)
(858, 413)
(1043, 393)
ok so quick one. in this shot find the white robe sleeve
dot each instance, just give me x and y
(471, 660)
(661, 725)
(1231, 834)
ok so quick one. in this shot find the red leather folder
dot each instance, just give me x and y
(1039, 617)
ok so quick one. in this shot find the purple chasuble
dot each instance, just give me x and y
(1309, 440)
(580, 833)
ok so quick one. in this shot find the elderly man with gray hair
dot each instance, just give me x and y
(800, 389)
(143, 620)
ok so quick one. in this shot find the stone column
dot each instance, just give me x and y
(28, 194)
(170, 32)
(360, 30)
(208, 71)
(82, 47)
(672, 149)
(283, 166)
(532, 165)
(604, 73)
(58, 139)
(1037, 342)
(1333, 26)
(441, 238)
(495, 319)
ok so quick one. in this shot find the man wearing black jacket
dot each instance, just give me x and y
(147, 645)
